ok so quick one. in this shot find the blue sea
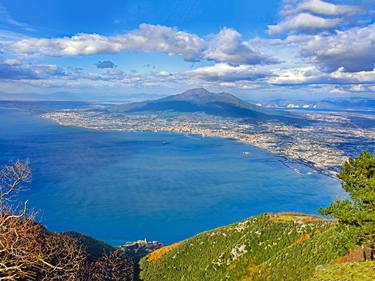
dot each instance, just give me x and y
(119, 186)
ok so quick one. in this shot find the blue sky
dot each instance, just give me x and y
(61, 18)
(269, 47)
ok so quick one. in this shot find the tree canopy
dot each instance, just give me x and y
(358, 211)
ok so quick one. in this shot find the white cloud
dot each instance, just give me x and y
(228, 73)
(145, 38)
(321, 8)
(82, 44)
(227, 46)
(342, 77)
(311, 75)
(353, 50)
(311, 16)
(294, 75)
(314, 55)
(303, 22)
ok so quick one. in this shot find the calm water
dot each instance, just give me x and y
(121, 187)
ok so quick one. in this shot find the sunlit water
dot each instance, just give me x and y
(119, 187)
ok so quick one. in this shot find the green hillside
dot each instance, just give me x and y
(265, 247)
(350, 271)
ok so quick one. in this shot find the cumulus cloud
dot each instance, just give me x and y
(81, 44)
(146, 38)
(226, 46)
(319, 7)
(105, 64)
(311, 75)
(310, 55)
(352, 89)
(353, 50)
(312, 16)
(303, 22)
(295, 76)
(228, 73)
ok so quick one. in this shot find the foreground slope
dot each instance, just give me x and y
(348, 271)
(265, 247)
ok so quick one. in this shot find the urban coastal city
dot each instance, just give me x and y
(324, 144)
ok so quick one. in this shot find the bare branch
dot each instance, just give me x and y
(12, 177)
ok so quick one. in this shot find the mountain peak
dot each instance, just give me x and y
(201, 100)
(202, 96)
(196, 91)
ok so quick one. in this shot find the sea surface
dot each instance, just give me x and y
(118, 186)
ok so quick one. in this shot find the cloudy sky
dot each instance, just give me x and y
(117, 47)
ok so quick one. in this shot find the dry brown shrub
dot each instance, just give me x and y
(116, 266)
(354, 255)
(27, 250)
(157, 254)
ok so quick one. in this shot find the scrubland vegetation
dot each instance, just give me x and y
(265, 247)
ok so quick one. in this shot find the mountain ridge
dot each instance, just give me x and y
(201, 100)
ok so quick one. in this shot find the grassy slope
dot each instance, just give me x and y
(280, 247)
(346, 272)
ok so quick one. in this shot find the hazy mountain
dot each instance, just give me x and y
(201, 100)
(341, 103)
(354, 103)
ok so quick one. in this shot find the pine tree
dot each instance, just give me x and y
(358, 212)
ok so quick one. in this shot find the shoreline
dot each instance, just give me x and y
(282, 158)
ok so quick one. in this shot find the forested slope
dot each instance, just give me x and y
(265, 247)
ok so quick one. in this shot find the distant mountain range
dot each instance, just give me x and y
(349, 103)
(200, 100)
(342, 103)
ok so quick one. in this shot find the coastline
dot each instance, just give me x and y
(284, 159)
(216, 180)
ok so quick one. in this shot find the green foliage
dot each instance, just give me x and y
(299, 261)
(363, 271)
(285, 247)
(358, 179)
